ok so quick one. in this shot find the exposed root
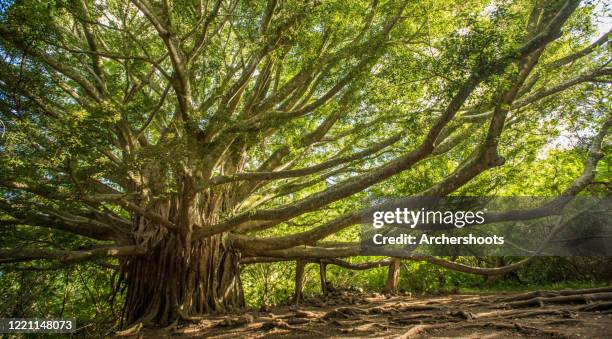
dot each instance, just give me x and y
(411, 321)
(463, 314)
(365, 328)
(334, 314)
(267, 326)
(564, 322)
(541, 301)
(450, 316)
(298, 321)
(420, 329)
(184, 316)
(531, 295)
(598, 306)
(536, 313)
(351, 310)
(305, 314)
(172, 327)
(412, 308)
(132, 330)
(237, 321)
(514, 326)
(520, 313)
(381, 310)
(270, 325)
(344, 313)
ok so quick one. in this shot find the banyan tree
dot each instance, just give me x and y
(182, 139)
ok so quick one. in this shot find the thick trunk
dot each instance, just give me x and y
(178, 277)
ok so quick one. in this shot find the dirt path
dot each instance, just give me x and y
(554, 314)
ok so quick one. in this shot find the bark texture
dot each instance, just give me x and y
(393, 275)
(180, 277)
(300, 265)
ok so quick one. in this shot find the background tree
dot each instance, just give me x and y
(184, 137)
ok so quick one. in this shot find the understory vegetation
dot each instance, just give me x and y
(85, 291)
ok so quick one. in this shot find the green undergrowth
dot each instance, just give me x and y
(272, 284)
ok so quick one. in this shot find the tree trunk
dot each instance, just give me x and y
(299, 280)
(499, 262)
(178, 277)
(323, 276)
(393, 276)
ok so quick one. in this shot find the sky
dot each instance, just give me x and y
(604, 20)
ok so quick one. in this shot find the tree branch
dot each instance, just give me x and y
(28, 254)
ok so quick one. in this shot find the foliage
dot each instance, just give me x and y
(177, 138)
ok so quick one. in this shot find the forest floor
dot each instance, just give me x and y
(554, 314)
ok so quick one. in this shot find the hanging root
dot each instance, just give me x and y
(176, 280)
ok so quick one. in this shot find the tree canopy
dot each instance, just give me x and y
(186, 137)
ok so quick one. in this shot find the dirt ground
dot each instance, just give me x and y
(553, 314)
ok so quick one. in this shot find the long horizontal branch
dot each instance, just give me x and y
(250, 244)
(28, 254)
(313, 252)
(83, 226)
(330, 261)
(254, 245)
(357, 266)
